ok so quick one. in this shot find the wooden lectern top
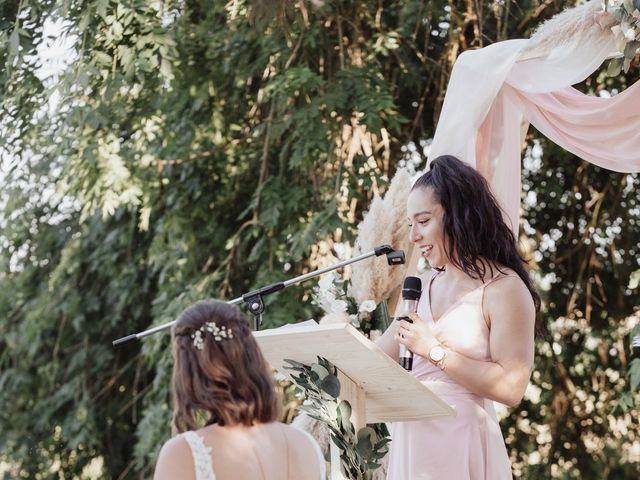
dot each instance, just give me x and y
(391, 393)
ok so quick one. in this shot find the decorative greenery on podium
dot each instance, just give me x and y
(359, 451)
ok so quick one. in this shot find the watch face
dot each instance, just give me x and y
(436, 354)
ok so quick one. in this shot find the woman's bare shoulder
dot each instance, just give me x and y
(299, 435)
(509, 286)
(174, 460)
(176, 445)
(507, 280)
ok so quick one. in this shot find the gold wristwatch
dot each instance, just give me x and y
(437, 355)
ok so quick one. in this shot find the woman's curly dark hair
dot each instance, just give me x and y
(478, 237)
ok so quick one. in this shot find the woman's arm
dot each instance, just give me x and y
(511, 342)
(512, 314)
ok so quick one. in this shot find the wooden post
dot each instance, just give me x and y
(355, 395)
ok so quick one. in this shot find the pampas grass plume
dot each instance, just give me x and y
(385, 223)
(573, 25)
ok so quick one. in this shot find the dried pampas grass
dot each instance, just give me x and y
(571, 26)
(385, 223)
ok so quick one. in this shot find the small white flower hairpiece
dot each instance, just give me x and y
(218, 333)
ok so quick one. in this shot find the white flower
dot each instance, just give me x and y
(355, 321)
(613, 4)
(279, 377)
(324, 294)
(628, 31)
(326, 297)
(338, 306)
(367, 306)
(374, 335)
(326, 282)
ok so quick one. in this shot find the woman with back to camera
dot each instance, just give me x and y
(473, 334)
(219, 374)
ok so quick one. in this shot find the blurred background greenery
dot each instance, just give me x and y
(174, 150)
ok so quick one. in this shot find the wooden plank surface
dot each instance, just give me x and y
(391, 393)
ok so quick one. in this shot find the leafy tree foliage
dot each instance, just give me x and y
(195, 149)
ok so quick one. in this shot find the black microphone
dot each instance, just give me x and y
(411, 289)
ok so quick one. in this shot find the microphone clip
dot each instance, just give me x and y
(394, 257)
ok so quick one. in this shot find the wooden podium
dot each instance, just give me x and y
(377, 387)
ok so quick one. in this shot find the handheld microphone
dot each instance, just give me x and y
(411, 289)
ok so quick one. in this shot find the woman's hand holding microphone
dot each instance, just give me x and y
(417, 336)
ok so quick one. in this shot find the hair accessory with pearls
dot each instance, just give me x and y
(218, 333)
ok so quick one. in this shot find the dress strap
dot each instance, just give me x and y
(499, 276)
(484, 285)
(201, 456)
(431, 279)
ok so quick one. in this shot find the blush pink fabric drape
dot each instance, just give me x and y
(495, 92)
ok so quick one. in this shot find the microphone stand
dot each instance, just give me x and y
(254, 299)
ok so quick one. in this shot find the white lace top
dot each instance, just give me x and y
(201, 456)
(204, 465)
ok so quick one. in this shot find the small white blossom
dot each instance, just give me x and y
(279, 377)
(326, 282)
(338, 306)
(210, 327)
(367, 306)
(374, 335)
(325, 300)
(628, 31)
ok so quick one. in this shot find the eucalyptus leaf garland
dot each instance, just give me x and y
(361, 451)
(626, 13)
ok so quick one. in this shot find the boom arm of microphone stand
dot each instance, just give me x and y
(254, 299)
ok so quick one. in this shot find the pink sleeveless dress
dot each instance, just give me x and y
(470, 445)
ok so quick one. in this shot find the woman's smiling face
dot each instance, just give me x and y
(427, 230)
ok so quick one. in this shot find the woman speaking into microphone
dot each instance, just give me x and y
(472, 336)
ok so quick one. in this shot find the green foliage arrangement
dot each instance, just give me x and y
(626, 13)
(360, 451)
